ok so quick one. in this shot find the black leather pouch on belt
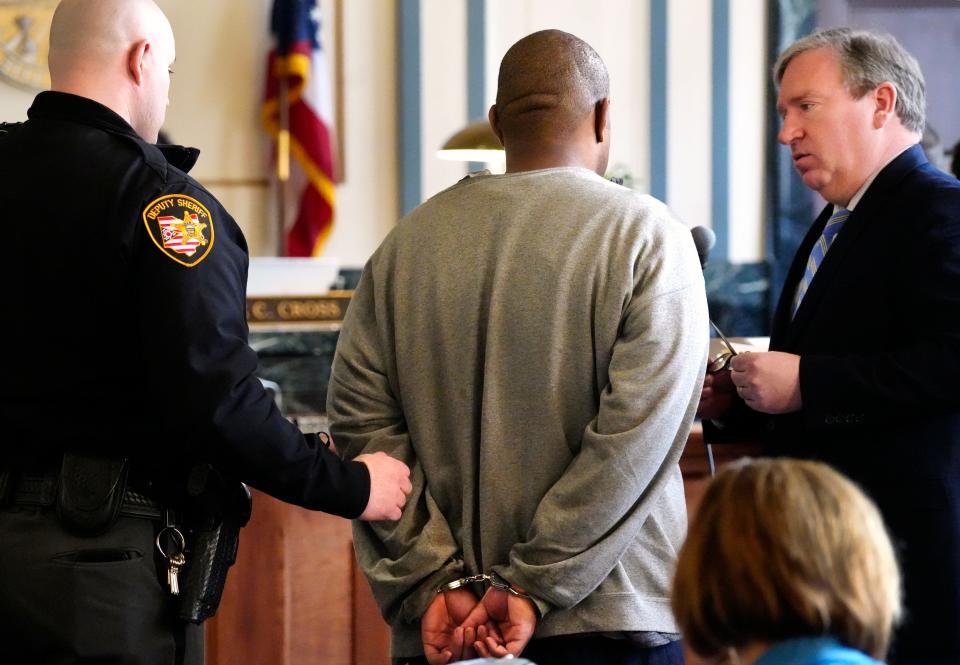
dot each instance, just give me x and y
(213, 544)
(91, 492)
(6, 485)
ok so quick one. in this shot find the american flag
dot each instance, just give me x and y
(295, 25)
(172, 231)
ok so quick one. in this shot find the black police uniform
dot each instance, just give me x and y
(124, 336)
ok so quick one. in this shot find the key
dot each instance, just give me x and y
(177, 562)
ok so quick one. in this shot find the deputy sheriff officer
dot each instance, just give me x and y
(126, 366)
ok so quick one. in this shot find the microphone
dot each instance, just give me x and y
(704, 239)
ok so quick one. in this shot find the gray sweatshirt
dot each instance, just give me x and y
(533, 346)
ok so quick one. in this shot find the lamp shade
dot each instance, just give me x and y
(474, 143)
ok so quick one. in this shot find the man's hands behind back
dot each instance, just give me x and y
(457, 626)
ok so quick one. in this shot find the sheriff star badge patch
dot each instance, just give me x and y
(181, 227)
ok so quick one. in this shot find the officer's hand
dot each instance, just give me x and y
(389, 487)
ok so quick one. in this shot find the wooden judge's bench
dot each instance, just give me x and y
(295, 595)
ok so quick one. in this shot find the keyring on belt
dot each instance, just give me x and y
(177, 538)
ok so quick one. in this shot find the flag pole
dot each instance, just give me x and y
(283, 154)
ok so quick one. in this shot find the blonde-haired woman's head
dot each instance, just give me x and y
(782, 549)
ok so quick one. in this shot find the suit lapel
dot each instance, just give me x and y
(786, 331)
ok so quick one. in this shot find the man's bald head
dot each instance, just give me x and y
(116, 52)
(550, 82)
(549, 79)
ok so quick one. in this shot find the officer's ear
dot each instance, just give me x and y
(136, 60)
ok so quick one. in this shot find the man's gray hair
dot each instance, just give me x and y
(868, 59)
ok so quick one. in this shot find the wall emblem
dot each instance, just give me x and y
(24, 42)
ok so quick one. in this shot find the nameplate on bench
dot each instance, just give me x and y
(328, 308)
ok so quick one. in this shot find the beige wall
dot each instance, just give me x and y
(748, 80)
(689, 139)
(14, 103)
(218, 87)
(443, 89)
(214, 100)
(620, 35)
(367, 200)
(215, 106)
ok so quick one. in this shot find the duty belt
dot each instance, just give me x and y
(41, 490)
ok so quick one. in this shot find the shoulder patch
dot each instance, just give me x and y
(181, 227)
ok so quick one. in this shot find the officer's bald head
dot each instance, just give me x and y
(549, 83)
(116, 52)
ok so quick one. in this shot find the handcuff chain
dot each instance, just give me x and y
(481, 577)
(493, 579)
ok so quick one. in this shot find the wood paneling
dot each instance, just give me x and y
(296, 597)
(696, 468)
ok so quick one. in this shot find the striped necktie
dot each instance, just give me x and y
(818, 252)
